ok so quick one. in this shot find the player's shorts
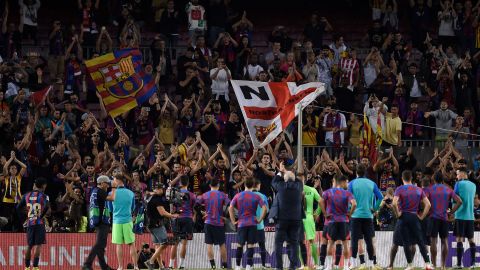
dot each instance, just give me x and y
(438, 227)
(260, 236)
(425, 229)
(247, 234)
(361, 228)
(325, 231)
(123, 233)
(301, 234)
(183, 228)
(464, 228)
(309, 227)
(214, 235)
(338, 231)
(397, 236)
(409, 230)
(36, 235)
(159, 235)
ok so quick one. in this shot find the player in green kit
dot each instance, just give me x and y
(311, 196)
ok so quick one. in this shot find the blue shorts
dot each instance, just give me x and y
(183, 228)
(36, 235)
(247, 234)
(214, 235)
(260, 236)
(159, 235)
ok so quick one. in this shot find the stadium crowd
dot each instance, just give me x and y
(426, 74)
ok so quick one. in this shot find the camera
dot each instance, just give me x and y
(388, 201)
(176, 197)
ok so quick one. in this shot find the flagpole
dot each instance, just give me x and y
(299, 139)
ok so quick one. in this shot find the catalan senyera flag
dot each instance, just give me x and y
(121, 80)
(379, 138)
(269, 107)
(368, 143)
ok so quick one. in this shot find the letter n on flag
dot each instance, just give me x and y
(269, 107)
(120, 80)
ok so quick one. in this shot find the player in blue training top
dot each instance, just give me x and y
(464, 216)
(440, 196)
(37, 205)
(246, 202)
(406, 204)
(214, 202)
(335, 203)
(368, 198)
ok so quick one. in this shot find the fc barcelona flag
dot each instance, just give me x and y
(120, 80)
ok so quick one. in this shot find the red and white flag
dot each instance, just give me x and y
(268, 107)
(39, 97)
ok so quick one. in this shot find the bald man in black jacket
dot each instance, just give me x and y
(288, 213)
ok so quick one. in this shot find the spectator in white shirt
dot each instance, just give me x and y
(28, 11)
(197, 23)
(253, 69)
(372, 111)
(220, 77)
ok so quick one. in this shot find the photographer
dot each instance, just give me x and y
(183, 202)
(385, 215)
(156, 214)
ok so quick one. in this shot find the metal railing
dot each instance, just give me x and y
(422, 151)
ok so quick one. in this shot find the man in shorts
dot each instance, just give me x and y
(156, 212)
(311, 196)
(335, 203)
(464, 216)
(37, 204)
(122, 229)
(365, 192)
(214, 202)
(183, 225)
(246, 202)
(440, 196)
(406, 204)
(260, 226)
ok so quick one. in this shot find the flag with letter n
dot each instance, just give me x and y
(269, 107)
(120, 80)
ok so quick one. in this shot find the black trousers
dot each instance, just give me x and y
(98, 250)
(287, 230)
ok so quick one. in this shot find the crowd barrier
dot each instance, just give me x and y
(68, 251)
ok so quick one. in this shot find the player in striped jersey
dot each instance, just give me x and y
(440, 197)
(335, 204)
(37, 205)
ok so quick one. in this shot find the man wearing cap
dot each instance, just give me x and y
(99, 218)
(156, 215)
(122, 228)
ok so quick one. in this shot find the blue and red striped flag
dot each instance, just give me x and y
(121, 80)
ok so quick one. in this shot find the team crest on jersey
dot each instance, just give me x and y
(261, 132)
(120, 79)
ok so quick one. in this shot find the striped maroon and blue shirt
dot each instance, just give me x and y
(214, 201)
(37, 204)
(247, 202)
